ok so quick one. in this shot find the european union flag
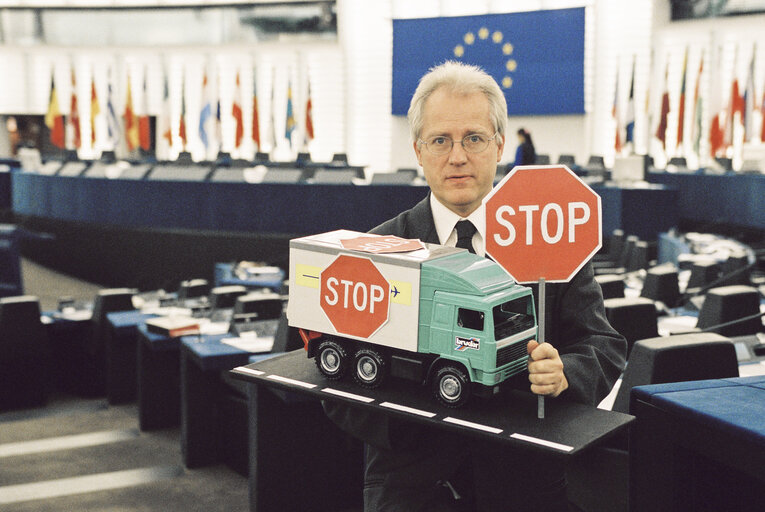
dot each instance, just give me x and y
(536, 57)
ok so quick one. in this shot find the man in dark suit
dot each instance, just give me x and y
(457, 119)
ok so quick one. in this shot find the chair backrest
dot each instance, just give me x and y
(334, 176)
(340, 157)
(193, 288)
(566, 159)
(612, 285)
(286, 338)
(703, 272)
(684, 357)
(224, 297)
(21, 331)
(596, 161)
(661, 284)
(391, 178)
(283, 176)
(108, 301)
(542, 160)
(729, 303)
(267, 306)
(632, 317)
(615, 244)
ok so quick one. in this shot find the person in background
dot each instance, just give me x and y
(525, 154)
(457, 118)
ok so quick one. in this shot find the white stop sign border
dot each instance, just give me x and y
(350, 302)
(599, 213)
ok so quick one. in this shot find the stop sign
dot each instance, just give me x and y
(542, 222)
(354, 295)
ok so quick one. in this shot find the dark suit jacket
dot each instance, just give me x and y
(593, 353)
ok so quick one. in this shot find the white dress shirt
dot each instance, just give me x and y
(445, 220)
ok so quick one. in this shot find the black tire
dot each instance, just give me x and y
(369, 368)
(451, 386)
(331, 359)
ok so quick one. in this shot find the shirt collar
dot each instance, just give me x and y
(445, 219)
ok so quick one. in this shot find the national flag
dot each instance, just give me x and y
(290, 124)
(236, 112)
(749, 100)
(661, 130)
(697, 109)
(681, 104)
(762, 116)
(95, 110)
(630, 116)
(182, 122)
(167, 132)
(74, 115)
(206, 113)
(218, 130)
(615, 115)
(719, 119)
(309, 116)
(736, 105)
(54, 120)
(131, 122)
(144, 123)
(255, 116)
(521, 50)
(112, 124)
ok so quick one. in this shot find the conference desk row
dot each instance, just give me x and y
(279, 208)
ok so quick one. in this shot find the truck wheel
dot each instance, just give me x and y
(451, 386)
(371, 368)
(331, 359)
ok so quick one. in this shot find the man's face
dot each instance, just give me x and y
(458, 179)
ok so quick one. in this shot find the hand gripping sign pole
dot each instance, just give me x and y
(542, 225)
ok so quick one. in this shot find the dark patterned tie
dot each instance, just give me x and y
(465, 232)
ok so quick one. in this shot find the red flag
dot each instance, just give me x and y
(74, 115)
(95, 109)
(255, 120)
(167, 134)
(236, 111)
(54, 120)
(144, 127)
(661, 131)
(131, 123)
(762, 115)
(615, 114)
(681, 106)
(309, 116)
(182, 123)
(716, 125)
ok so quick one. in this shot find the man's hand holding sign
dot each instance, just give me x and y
(542, 224)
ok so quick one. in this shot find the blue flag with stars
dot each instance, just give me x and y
(536, 57)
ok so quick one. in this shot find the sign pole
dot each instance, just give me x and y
(541, 323)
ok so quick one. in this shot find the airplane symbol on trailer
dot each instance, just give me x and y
(395, 291)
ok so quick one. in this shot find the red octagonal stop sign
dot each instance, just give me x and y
(542, 222)
(354, 296)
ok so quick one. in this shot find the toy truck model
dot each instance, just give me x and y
(438, 315)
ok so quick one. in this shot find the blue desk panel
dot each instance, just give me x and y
(734, 199)
(278, 208)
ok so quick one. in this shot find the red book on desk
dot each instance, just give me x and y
(173, 327)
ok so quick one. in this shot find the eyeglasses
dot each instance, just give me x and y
(473, 143)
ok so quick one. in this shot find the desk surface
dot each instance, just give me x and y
(735, 406)
(566, 429)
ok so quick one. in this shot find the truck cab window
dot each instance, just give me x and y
(470, 319)
(513, 317)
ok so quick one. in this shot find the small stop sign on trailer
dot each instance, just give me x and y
(542, 222)
(354, 295)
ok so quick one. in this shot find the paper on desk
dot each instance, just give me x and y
(250, 343)
(668, 325)
(207, 327)
(77, 315)
(751, 369)
(168, 311)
